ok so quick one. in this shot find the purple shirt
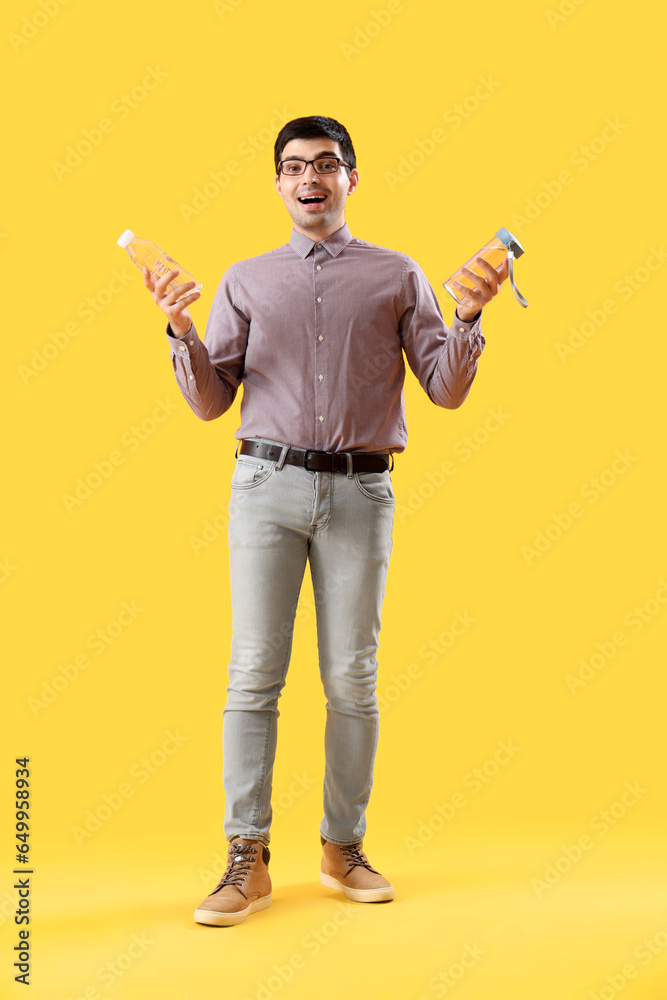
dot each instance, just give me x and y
(316, 333)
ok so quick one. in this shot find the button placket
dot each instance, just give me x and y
(319, 417)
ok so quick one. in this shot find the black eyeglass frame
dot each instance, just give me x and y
(299, 159)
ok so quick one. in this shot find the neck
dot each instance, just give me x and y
(319, 234)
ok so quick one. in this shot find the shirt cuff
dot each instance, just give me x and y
(176, 336)
(187, 347)
(469, 322)
(461, 329)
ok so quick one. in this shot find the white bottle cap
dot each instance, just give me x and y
(125, 238)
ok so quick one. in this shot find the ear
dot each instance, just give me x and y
(353, 182)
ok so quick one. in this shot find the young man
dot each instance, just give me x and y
(315, 331)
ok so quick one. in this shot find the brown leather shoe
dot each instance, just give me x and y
(347, 870)
(244, 888)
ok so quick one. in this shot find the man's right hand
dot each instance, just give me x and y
(180, 319)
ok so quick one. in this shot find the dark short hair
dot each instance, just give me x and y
(313, 127)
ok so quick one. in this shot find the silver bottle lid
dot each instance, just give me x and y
(511, 242)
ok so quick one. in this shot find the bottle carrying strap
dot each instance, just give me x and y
(517, 294)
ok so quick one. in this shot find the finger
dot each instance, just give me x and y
(491, 279)
(484, 264)
(148, 279)
(471, 295)
(180, 309)
(482, 286)
(466, 289)
(186, 301)
(175, 293)
(164, 279)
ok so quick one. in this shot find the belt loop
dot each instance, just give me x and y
(283, 456)
(350, 465)
(391, 456)
(238, 445)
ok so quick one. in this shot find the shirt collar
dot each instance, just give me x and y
(333, 244)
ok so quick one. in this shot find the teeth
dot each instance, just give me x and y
(311, 199)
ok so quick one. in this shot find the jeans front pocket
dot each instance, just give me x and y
(249, 473)
(376, 486)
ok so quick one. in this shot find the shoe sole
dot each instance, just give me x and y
(359, 895)
(216, 918)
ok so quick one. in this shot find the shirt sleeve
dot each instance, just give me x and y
(443, 359)
(209, 373)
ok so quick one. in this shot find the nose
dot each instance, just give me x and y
(310, 175)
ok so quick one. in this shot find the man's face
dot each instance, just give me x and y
(320, 219)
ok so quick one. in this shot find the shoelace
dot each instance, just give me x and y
(357, 858)
(240, 859)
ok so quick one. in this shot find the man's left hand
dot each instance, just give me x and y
(485, 288)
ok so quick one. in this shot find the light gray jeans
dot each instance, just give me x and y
(280, 518)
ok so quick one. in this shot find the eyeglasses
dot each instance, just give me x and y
(323, 165)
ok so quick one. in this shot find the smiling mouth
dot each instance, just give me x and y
(314, 199)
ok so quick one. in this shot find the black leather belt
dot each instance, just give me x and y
(320, 461)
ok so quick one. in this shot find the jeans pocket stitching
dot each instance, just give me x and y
(384, 500)
(255, 482)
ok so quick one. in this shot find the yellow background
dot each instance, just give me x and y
(392, 73)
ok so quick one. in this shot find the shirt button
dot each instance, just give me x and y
(319, 299)
(320, 337)
(319, 267)
(318, 246)
(182, 348)
(190, 377)
(461, 329)
(191, 343)
(320, 419)
(320, 377)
